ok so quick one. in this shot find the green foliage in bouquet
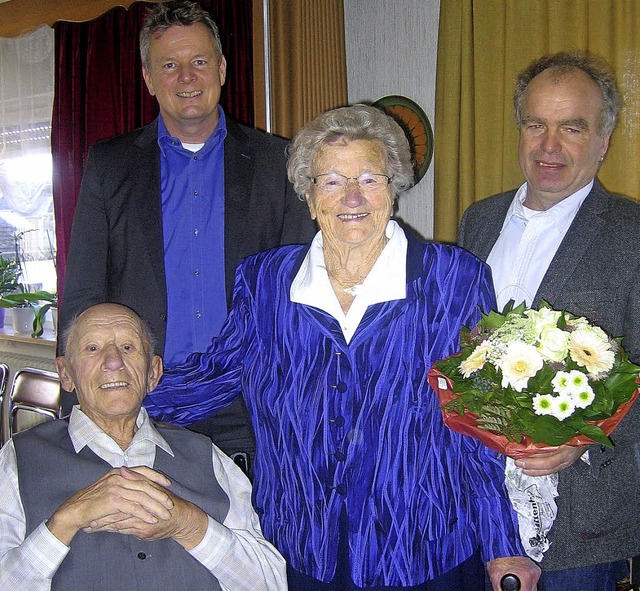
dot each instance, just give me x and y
(544, 374)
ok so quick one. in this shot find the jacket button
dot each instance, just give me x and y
(141, 555)
(341, 387)
(338, 421)
(341, 489)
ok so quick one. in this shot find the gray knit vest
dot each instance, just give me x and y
(50, 472)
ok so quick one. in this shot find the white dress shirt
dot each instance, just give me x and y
(385, 282)
(234, 551)
(526, 246)
(519, 260)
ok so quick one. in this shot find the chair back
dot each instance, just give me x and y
(4, 403)
(34, 398)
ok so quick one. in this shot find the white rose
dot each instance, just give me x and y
(543, 318)
(553, 343)
(578, 322)
(520, 362)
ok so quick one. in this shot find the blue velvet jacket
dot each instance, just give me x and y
(354, 426)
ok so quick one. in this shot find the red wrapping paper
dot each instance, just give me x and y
(466, 423)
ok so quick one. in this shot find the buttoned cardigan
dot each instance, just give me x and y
(355, 428)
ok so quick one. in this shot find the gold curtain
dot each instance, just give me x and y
(482, 46)
(308, 61)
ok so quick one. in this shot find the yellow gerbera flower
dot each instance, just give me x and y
(476, 360)
(591, 350)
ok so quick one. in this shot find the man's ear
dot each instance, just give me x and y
(155, 372)
(66, 380)
(222, 70)
(148, 81)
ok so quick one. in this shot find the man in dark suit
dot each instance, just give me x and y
(564, 239)
(167, 212)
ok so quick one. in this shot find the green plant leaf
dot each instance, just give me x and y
(549, 430)
(39, 320)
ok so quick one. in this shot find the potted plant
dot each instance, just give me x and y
(26, 318)
(9, 274)
(28, 311)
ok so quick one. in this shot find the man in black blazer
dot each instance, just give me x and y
(564, 239)
(132, 242)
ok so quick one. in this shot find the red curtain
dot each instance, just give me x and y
(100, 93)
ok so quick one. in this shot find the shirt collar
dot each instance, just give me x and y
(82, 430)
(560, 215)
(166, 140)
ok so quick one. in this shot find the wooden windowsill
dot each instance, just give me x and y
(48, 338)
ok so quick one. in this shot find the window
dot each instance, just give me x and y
(26, 204)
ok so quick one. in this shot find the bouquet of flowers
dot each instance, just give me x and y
(529, 380)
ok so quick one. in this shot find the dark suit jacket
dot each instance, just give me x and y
(595, 273)
(116, 252)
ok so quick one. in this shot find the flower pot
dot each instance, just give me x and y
(54, 319)
(2, 310)
(23, 319)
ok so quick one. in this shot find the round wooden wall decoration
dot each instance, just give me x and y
(416, 126)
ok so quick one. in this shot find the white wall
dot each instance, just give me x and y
(391, 48)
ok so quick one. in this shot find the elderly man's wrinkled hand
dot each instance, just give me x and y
(186, 523)
(117, 495)
(551, 462)
(524, 568)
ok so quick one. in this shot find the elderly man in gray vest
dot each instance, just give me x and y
(108, 500)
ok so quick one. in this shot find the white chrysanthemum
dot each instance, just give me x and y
(589, 347)
(569, 382)
(553, 344)
(542, 404)
(562, 406)
(476, 360)
(543, 318)
(584, 397)
(560, 381)
(520, 362)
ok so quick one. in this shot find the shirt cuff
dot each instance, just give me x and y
(213, 546)
(44, 551)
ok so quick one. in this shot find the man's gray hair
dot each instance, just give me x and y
(357, 122)
(564, 63)
(148, 335)
(165, 15)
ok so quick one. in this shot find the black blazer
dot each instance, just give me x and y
(595, 273)
(116, 252)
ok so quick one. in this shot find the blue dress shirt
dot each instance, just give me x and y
(192, 186)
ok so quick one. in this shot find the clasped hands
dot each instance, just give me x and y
(130, 501)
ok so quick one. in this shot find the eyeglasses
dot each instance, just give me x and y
(334, 182)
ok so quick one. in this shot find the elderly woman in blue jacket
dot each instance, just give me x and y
(357, 480)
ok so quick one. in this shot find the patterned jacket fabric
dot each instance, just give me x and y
(355, 427)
